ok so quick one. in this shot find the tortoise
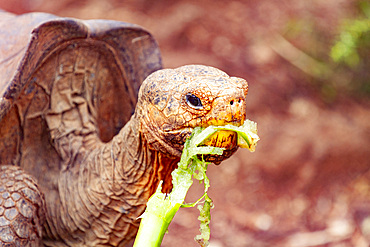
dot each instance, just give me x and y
(90, 123)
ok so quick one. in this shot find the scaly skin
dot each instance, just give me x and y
(102, 197)
(103, 187)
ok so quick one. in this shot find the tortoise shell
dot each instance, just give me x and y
(102, 61)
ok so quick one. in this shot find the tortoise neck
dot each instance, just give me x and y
(146, 165)
(117, 178)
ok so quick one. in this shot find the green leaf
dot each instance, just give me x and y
(161, 208)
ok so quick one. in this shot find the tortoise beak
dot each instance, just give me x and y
(223, 139)
(228, 110)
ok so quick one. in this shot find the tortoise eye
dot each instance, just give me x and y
(193, 101)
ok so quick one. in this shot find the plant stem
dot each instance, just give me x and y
(161, 208)
(154, 225)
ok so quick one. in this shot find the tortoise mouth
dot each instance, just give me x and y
(226, 139)
(222, 139)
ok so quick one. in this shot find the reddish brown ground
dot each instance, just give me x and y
(308, 183)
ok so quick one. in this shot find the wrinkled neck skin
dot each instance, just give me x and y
(106, 189)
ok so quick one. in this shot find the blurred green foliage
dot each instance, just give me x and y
(351, 54)
(337, 60)
(354, 35)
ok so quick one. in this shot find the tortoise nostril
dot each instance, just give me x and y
(232, 102)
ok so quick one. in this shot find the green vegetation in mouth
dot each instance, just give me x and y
(161, 208)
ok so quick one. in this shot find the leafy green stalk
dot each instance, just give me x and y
(156, 219)
(162, 208)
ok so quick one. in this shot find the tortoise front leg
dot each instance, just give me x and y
(22, 210)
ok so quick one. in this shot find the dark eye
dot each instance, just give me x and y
(193, 101)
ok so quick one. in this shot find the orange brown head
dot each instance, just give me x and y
(174, 101)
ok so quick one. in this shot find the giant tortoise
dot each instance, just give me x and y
(90, 124)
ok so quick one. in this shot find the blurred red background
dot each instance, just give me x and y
(308, 183)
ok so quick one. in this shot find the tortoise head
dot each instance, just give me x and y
(174, 101)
